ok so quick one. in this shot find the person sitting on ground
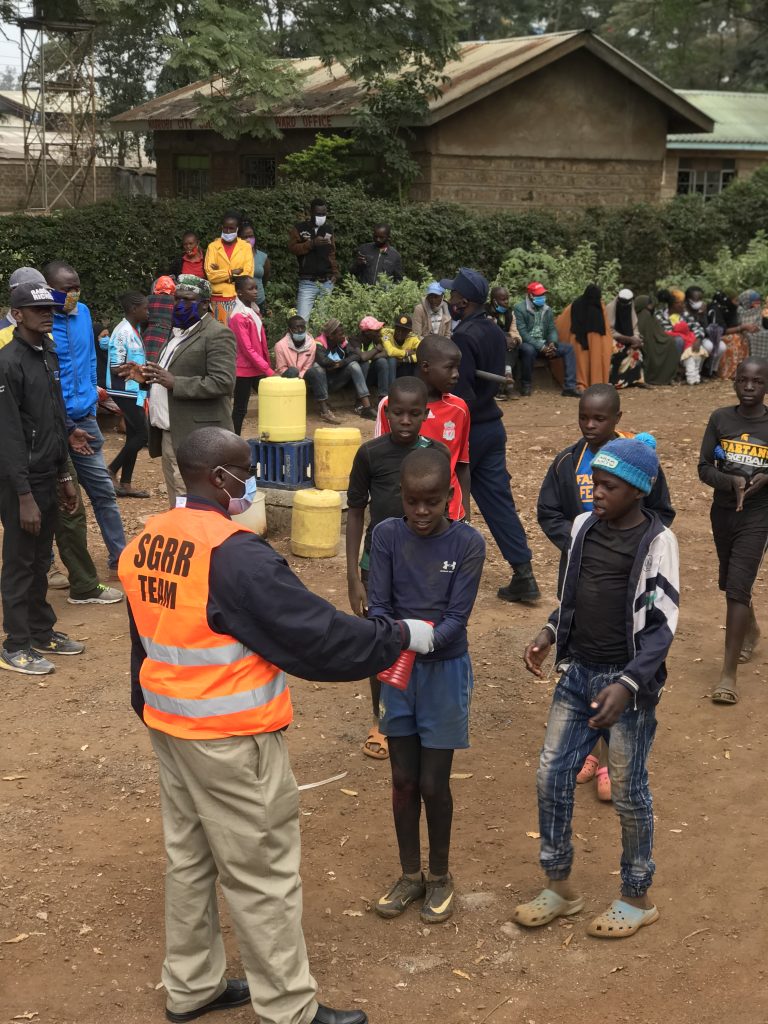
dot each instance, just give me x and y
(499, 310)
(535, 322)
(400, 344)
(431, 315)
(374, 481)
(370, 350)
(227, 258)
(295, 357)
(252, 363)
(627, 361)
(566, 493)
(262, 268)
(734, 463)
(661, 359)
(429, 564)
(192, 258)
(123, 345)
(613, 630)
(341, 366)
(694, 355)
(723, 325)
(159, 316)
(447, 418)
(695, 313)
(377, 257)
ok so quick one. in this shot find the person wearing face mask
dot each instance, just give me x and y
(226, 258)
(431, 315)
(499, 310)
(217, 621)
(313, 243)
(192, 381)
(295, 356)
(74, 341)
(377, 257)
(483, 346)
(695, 315)
(262, 268)
(536, 324)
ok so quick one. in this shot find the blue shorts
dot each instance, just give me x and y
(434, 707)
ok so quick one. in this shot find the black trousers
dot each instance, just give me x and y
(135, 437)
(27, 616)
(243, 388)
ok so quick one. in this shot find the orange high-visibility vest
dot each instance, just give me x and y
(197, 684)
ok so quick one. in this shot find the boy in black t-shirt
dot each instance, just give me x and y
(375, 480)
(734, 462)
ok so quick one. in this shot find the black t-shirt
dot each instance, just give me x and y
(375, 479)
(599, 630)
(743, 444)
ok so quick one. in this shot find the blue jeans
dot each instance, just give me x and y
(380, 367)
(322, 382)
(491, 490)
(97, 484)
(567, 742)
(527, 355)
(307, 293)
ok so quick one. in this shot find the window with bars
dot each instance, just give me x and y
(192, 176)
(706, 182)
(259, 171)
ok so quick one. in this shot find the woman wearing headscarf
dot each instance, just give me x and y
(226, 258)
(751, 323)
(160, 316)
(661, 359)
(723, 325)
(627, 358)
(583, 323)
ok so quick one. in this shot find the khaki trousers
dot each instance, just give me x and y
(230, 810)
(174, 484)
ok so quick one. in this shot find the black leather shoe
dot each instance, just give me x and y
(235, 994)
(325, 1015)
(522, 587)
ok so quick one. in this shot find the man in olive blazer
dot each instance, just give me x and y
(192, 382)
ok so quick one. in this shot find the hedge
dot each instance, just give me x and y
(123, 243)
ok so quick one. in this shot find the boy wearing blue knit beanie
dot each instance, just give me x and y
(613, 630)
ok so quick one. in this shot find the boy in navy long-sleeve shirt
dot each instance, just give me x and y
(431, 566)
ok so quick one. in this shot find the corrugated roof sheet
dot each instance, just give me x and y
(480, 69)
(741, 120)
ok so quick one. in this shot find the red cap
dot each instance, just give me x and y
(536, 288)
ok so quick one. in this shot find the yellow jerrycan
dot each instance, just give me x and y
(282, 409)
(316, 523)
(335, 448)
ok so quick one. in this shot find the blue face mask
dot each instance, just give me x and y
(299, 338)
(501, 309)
(239, 505)
(539, 300)
(185, 315)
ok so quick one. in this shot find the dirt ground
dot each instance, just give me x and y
(81, 855)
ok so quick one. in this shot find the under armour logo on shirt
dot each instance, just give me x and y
(448, 567)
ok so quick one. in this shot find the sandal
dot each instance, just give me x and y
(723, 694)
(621, 920)
(603, 784)
(376, 745)
(126, 491)
(588, 769)
(748, 650)
(545, 908)
(330, 417)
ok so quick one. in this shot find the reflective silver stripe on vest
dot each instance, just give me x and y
(207, 707)
(194, 657)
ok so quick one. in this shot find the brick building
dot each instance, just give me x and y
(561, 120)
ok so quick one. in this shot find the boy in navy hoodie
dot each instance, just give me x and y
(613, 630)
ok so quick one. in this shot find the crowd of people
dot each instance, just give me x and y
(218, 619)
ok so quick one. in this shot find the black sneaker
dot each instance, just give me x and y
(570, 393)
(400, 896)
(59, 644)
(522, 587)
(365, 412)
(438, 903)
(28, 662)
(525, 390)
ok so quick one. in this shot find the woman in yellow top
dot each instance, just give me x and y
(400, 344)
(226, 258)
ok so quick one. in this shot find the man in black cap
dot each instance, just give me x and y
(33, 481)
(483, 346)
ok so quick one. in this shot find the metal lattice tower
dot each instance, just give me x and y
(57, 81)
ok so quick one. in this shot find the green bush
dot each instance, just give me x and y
(565, 274)
(350, 301)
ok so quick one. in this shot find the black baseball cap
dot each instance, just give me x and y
(468, 283)
(24, 295)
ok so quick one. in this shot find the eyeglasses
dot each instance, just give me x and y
(248, 470)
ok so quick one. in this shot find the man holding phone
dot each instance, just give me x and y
(313, 244)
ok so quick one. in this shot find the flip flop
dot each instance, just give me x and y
(376, 745)
(724, 695)
(588, 769)
(748, 650)
(603, 785)
(545, 908)
(621, 920)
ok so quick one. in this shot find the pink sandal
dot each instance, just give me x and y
(603, 785)
(588, 769)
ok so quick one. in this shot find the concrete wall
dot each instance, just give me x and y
(110, 182)
(746, 164)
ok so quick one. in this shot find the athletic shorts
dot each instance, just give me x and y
(740, 541)
(434, 707)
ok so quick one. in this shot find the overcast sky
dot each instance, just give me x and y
(9, 47)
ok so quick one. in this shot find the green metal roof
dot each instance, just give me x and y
(741, 121)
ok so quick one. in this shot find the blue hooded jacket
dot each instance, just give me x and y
(73, 338)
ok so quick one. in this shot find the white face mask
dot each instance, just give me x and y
(696, 305)
(319, 221)
(228, 236)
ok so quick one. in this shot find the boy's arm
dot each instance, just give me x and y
(549, 511)
(463, 476)
(662, 597)
(358, 601)
(708, 472)
(380, 578)
(466, 581)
